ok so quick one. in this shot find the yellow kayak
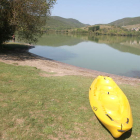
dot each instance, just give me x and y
(110, 105)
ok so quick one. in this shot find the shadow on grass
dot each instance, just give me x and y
(124, 136)
(16, 52)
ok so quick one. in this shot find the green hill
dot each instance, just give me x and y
(59, 23)
(126, 21)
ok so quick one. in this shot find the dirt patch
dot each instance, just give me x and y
(55, 68)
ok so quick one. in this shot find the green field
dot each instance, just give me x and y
(44, 108)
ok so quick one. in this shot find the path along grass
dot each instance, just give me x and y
(35, 107)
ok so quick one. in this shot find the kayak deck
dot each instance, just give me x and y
(110, 105)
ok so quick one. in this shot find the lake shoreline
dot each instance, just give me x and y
(56, 68)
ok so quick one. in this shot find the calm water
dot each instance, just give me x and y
(116, 55)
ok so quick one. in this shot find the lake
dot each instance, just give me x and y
(111, 54)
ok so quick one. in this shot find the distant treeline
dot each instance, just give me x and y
(117, 31)
(101, 30)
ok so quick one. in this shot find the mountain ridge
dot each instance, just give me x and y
(61, 23)
(57, 22)
(126, 21)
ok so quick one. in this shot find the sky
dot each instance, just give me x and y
(96, 11)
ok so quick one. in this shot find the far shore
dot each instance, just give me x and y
(47, 65)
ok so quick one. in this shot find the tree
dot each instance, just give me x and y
(25, 17)
(5, 27)
(94, 28)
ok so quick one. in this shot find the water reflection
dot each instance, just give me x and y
(58, 40)
(123, 44)
(54, 53)
(112, 54)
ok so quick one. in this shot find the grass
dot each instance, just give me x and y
(35, 107)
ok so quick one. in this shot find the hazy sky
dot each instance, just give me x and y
(96, 11)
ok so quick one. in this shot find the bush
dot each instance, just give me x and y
(94, 28)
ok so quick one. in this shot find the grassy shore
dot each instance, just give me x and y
(35, 107)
